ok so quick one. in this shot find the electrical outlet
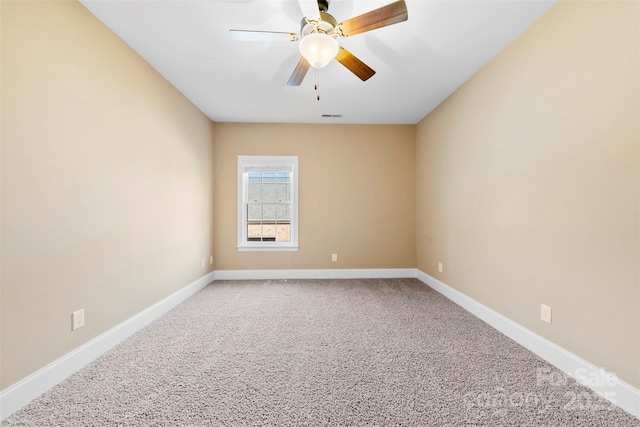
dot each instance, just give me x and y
(211, 260)
(334, 257)
(440, 267)
(545, 313)
(77, 319)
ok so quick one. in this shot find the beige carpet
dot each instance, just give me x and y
(319, 352)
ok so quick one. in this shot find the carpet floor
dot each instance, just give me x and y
(381, 352)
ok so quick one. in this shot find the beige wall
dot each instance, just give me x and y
(357, 194)
(106, 183)
(528, 183)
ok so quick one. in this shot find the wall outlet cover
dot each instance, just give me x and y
(545, 313)
(77, 319)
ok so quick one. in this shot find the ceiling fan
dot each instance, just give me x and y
(318, 33)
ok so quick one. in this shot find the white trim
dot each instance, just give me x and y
(267, 248)
(367, 273)
(24, 391)
(18, 395)
(620, 393)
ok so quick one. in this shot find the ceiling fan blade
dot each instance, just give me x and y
(310, 9)
(377, 18)
(357, 67)
(299, 72)
(252, 36)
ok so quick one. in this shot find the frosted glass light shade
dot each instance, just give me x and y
(318, 49)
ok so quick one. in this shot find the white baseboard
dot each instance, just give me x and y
(24, 391)
(365, 273)
(623, 395)
(607, 385)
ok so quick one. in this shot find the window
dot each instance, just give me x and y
(267, 203)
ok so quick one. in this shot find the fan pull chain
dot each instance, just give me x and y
(317, 86)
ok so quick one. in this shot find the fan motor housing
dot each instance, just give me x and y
(327, 25)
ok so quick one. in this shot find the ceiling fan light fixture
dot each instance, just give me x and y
(318, 49)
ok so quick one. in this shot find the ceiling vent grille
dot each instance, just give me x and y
(332, 116)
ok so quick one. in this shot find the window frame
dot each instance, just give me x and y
(269, 162)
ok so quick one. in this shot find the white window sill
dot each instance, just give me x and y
(267, 248)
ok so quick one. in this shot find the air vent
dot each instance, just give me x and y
(332, 116)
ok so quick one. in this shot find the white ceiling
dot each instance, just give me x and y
(419, 63)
